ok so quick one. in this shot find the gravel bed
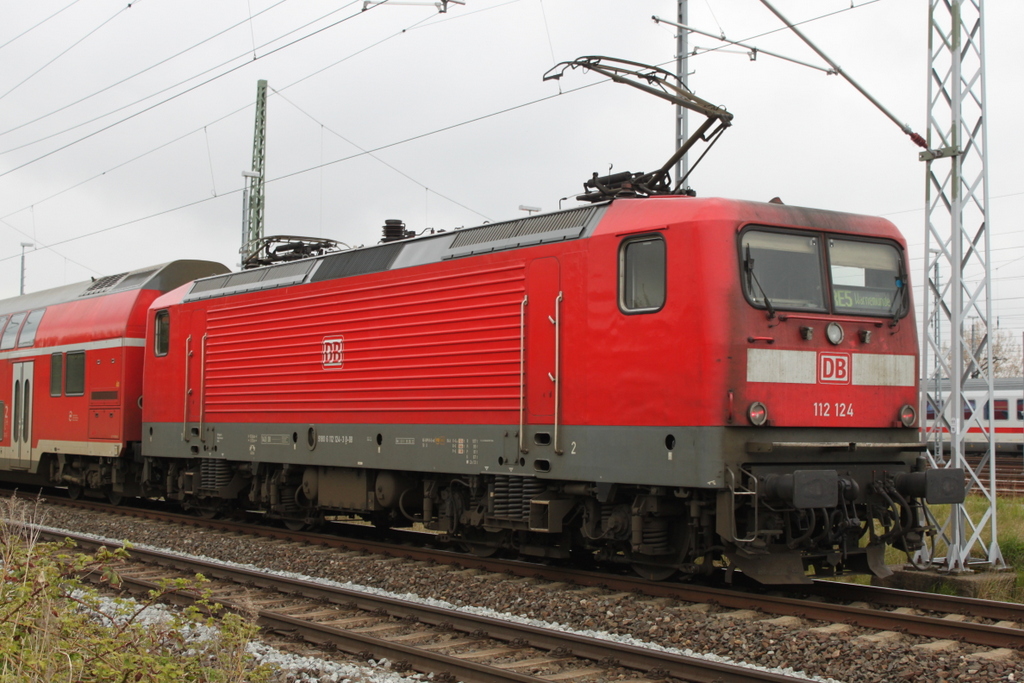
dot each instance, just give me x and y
(848, 654)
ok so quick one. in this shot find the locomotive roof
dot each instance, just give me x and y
(163, 277)
(570, 224)
(541, 229)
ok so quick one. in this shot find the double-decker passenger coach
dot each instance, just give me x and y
(71, 377)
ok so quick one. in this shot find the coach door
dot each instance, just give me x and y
(21, 414)
(543, 309)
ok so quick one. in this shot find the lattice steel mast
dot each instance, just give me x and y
(253, 228)
(957, 242)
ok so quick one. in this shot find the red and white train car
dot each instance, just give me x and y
(71, 373)
(665, 382)
(658, 381)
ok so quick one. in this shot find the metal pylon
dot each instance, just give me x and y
(682, 117)
(254, 207)
(957, 250)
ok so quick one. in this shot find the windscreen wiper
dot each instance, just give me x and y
(899, 301)
(748, 263)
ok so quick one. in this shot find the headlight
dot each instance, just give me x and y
(758, 413)
(834, 332)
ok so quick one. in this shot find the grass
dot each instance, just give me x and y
(54, 627)
(1010, 528)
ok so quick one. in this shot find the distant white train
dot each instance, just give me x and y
(1007, 413)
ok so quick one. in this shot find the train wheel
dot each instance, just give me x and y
(480, 550)
(74, 492)
(653, 572)
(483, 544)
(294, 524)
(115, 498)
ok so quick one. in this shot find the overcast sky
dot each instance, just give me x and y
(124, 129)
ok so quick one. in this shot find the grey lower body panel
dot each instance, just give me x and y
(621, 455)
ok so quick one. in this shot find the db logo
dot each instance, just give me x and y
(834, 368)
(333, 352)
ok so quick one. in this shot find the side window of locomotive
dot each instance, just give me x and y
(867, 278)
(10, 337)
(56, 373)
(74, 379)
(162, 333)
(28, 332)
(642, 275)
(783, 269)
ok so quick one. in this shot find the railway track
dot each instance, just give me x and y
(938, 617)
(454, 645)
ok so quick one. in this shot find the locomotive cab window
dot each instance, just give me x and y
(74, 379)
(782, 270)
(867, 278)
(642, 275)
(56, 374)
(162, 333)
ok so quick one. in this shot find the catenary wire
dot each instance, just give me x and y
(134, 75)
(389, 145)
(414, 26)
(69, 49)
(313, 168)
(174, 96)
(34, 27)
(397, 170)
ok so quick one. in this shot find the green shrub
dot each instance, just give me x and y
(54, 627)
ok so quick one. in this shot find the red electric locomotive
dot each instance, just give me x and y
(666, 382)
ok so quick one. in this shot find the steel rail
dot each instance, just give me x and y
(927, 626)
(609, 652)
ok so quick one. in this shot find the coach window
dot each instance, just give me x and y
(162, 336)
(74, 379)
(642, 275)
(1020, 408)
(10, 337)
(1002, 411)
(56, 373)
(28, 332)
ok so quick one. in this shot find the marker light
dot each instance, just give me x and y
(834, 332)
(758, 413)
(908, 415)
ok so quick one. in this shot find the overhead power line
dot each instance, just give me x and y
(172, 97)
(35, 26)
(134, 75)
(68, 49)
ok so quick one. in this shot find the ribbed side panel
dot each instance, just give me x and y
(429, 345)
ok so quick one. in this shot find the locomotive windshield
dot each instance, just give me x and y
(866, 278)
(783, 270)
